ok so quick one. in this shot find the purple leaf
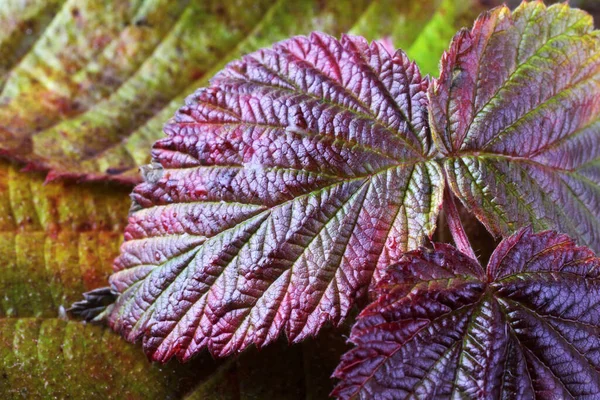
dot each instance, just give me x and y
(516, 113)
(441, 327)
(278, 197)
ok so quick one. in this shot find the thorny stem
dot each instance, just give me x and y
(456, 228)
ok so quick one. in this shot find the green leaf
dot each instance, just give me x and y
(52, 358)
(421, 28)
(22, 24)
(436, 34)
(56, 240)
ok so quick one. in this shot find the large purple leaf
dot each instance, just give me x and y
(441, 327)
(516, 112)
(279, 195)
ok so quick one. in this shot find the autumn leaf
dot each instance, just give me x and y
(70, 75)
(285, 188)
(516, 113)
(280, 191)
(240, 240)
(59, 240)
(529, 327)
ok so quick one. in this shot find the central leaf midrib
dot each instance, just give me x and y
(291, 268)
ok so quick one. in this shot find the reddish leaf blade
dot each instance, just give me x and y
(516, 111)
(531, 328)
(403, 344)
(282, 191)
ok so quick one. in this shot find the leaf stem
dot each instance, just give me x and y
(459, 235)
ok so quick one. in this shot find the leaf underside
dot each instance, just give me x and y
(72, 73)
(279, 194)
(528, 328)
(516, 114)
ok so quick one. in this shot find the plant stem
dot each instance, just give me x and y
(456, 228)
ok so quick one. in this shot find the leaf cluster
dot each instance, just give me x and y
(303, 181)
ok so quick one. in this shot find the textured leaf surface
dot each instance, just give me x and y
(52, 358)
(516, 112)
(71, 72)
(528, 328)
(280, 191)
(56, 240)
